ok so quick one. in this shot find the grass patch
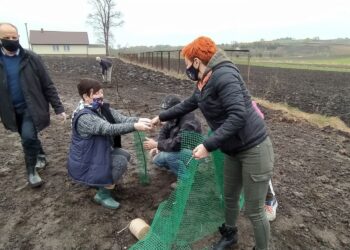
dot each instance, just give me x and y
(340, 64)
(320, 121)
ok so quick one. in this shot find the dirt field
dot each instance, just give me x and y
(311, 179)
(313, 91)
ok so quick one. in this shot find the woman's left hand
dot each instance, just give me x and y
(200, 152)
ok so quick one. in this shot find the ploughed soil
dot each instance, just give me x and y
(311, 178)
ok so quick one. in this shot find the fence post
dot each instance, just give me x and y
(152, 58)
(178, 62)
(168, 60)
(248, 73)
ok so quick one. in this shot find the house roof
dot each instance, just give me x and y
(58, 37)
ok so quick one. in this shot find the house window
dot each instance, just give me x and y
(66, 48)
(55, 47)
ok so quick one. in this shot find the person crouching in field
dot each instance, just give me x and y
(166, 150)
(92, 159)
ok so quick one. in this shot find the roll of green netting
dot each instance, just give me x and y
(195, 208)
(139, 228)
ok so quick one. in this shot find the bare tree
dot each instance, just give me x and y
(103, 18)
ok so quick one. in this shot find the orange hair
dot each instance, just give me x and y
(202, 47)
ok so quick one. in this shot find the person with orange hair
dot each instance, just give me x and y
(238, 131)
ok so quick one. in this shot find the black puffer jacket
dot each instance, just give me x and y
(169, 139)
(38, 90)
(226, 104)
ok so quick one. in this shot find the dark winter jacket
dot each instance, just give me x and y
(169, 139)
(105, 64)
(89, 159)
(226, 104)
(38, 90)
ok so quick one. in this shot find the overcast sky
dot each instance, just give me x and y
(177, 22)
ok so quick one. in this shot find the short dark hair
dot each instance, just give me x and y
(88, 86)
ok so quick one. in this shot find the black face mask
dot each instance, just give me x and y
(10, 45)
(192, 73)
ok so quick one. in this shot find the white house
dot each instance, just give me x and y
(45, 42)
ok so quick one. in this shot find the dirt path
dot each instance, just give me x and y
(312, 174)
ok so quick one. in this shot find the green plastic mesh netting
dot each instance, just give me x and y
(194, 209)
(141, 157)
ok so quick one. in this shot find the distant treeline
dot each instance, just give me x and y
(283, 47)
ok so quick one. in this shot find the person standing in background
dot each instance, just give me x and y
(26, 90)
(106, 66)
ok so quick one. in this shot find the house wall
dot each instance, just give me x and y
(60, 49)
(96, 51)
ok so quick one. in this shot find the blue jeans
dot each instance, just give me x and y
(29, 136)
(168, 160)
(174, 161)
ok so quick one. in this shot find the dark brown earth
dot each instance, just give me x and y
(311, 179)
(313, 91)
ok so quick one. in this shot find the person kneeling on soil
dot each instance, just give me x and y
(166, 150)
(92, 160)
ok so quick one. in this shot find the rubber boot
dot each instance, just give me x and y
(103, 197)
(229, 237)
(34, 178)
(41, 162)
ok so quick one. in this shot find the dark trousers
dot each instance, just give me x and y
(120, 159)
(29, 137)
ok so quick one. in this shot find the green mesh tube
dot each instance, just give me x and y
(194, 209)
(141, 156)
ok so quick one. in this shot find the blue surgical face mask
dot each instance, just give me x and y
(192, 73)
(97, 103)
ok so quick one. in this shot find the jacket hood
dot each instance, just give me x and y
(218, 58)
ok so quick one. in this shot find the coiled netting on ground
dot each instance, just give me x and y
(195, 208)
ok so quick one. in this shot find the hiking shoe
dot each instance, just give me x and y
(41, 162)
(271, 208)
